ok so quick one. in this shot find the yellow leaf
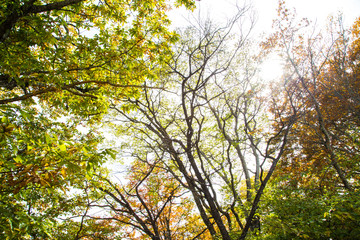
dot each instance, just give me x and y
(62, 148)
(18, 159)
(63, 172)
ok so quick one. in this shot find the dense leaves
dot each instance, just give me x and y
(321, 86)
(43, 160)
(206, 149)
(38, 150)
(315, 195)
(290, 213)
(72, 53)
(62, 63)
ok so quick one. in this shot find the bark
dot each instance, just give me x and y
(255, 203)
(16, 13)
(327, 139)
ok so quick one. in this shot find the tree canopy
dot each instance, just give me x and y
(113, 126)
(62, 64)
(73, 53)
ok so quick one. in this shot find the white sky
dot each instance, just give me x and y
(313, 9)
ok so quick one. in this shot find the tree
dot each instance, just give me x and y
(203, 123)
(38, 170)
(320, 168)
(150, 205)
(72, 53)
(321, 84)
(61, 63)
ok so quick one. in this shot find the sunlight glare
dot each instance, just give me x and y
(271, 69)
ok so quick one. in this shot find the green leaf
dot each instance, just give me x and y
(62, 147)
(18, 159)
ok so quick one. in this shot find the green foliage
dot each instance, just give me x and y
(75, 57)
(289, 213)
(344, 217)
(315, 194)
(32, 213)
(36, 149)
(41, 161)
(71, 57)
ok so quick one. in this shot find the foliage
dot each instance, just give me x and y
(315, 193)
(73, 53)
(43, 160)
(61, 64)
(38, 150)
(321, 86)
(150, 204)
(202, 136)
(203, 122)
(290, 213)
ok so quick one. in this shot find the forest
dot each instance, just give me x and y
(116, 125)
